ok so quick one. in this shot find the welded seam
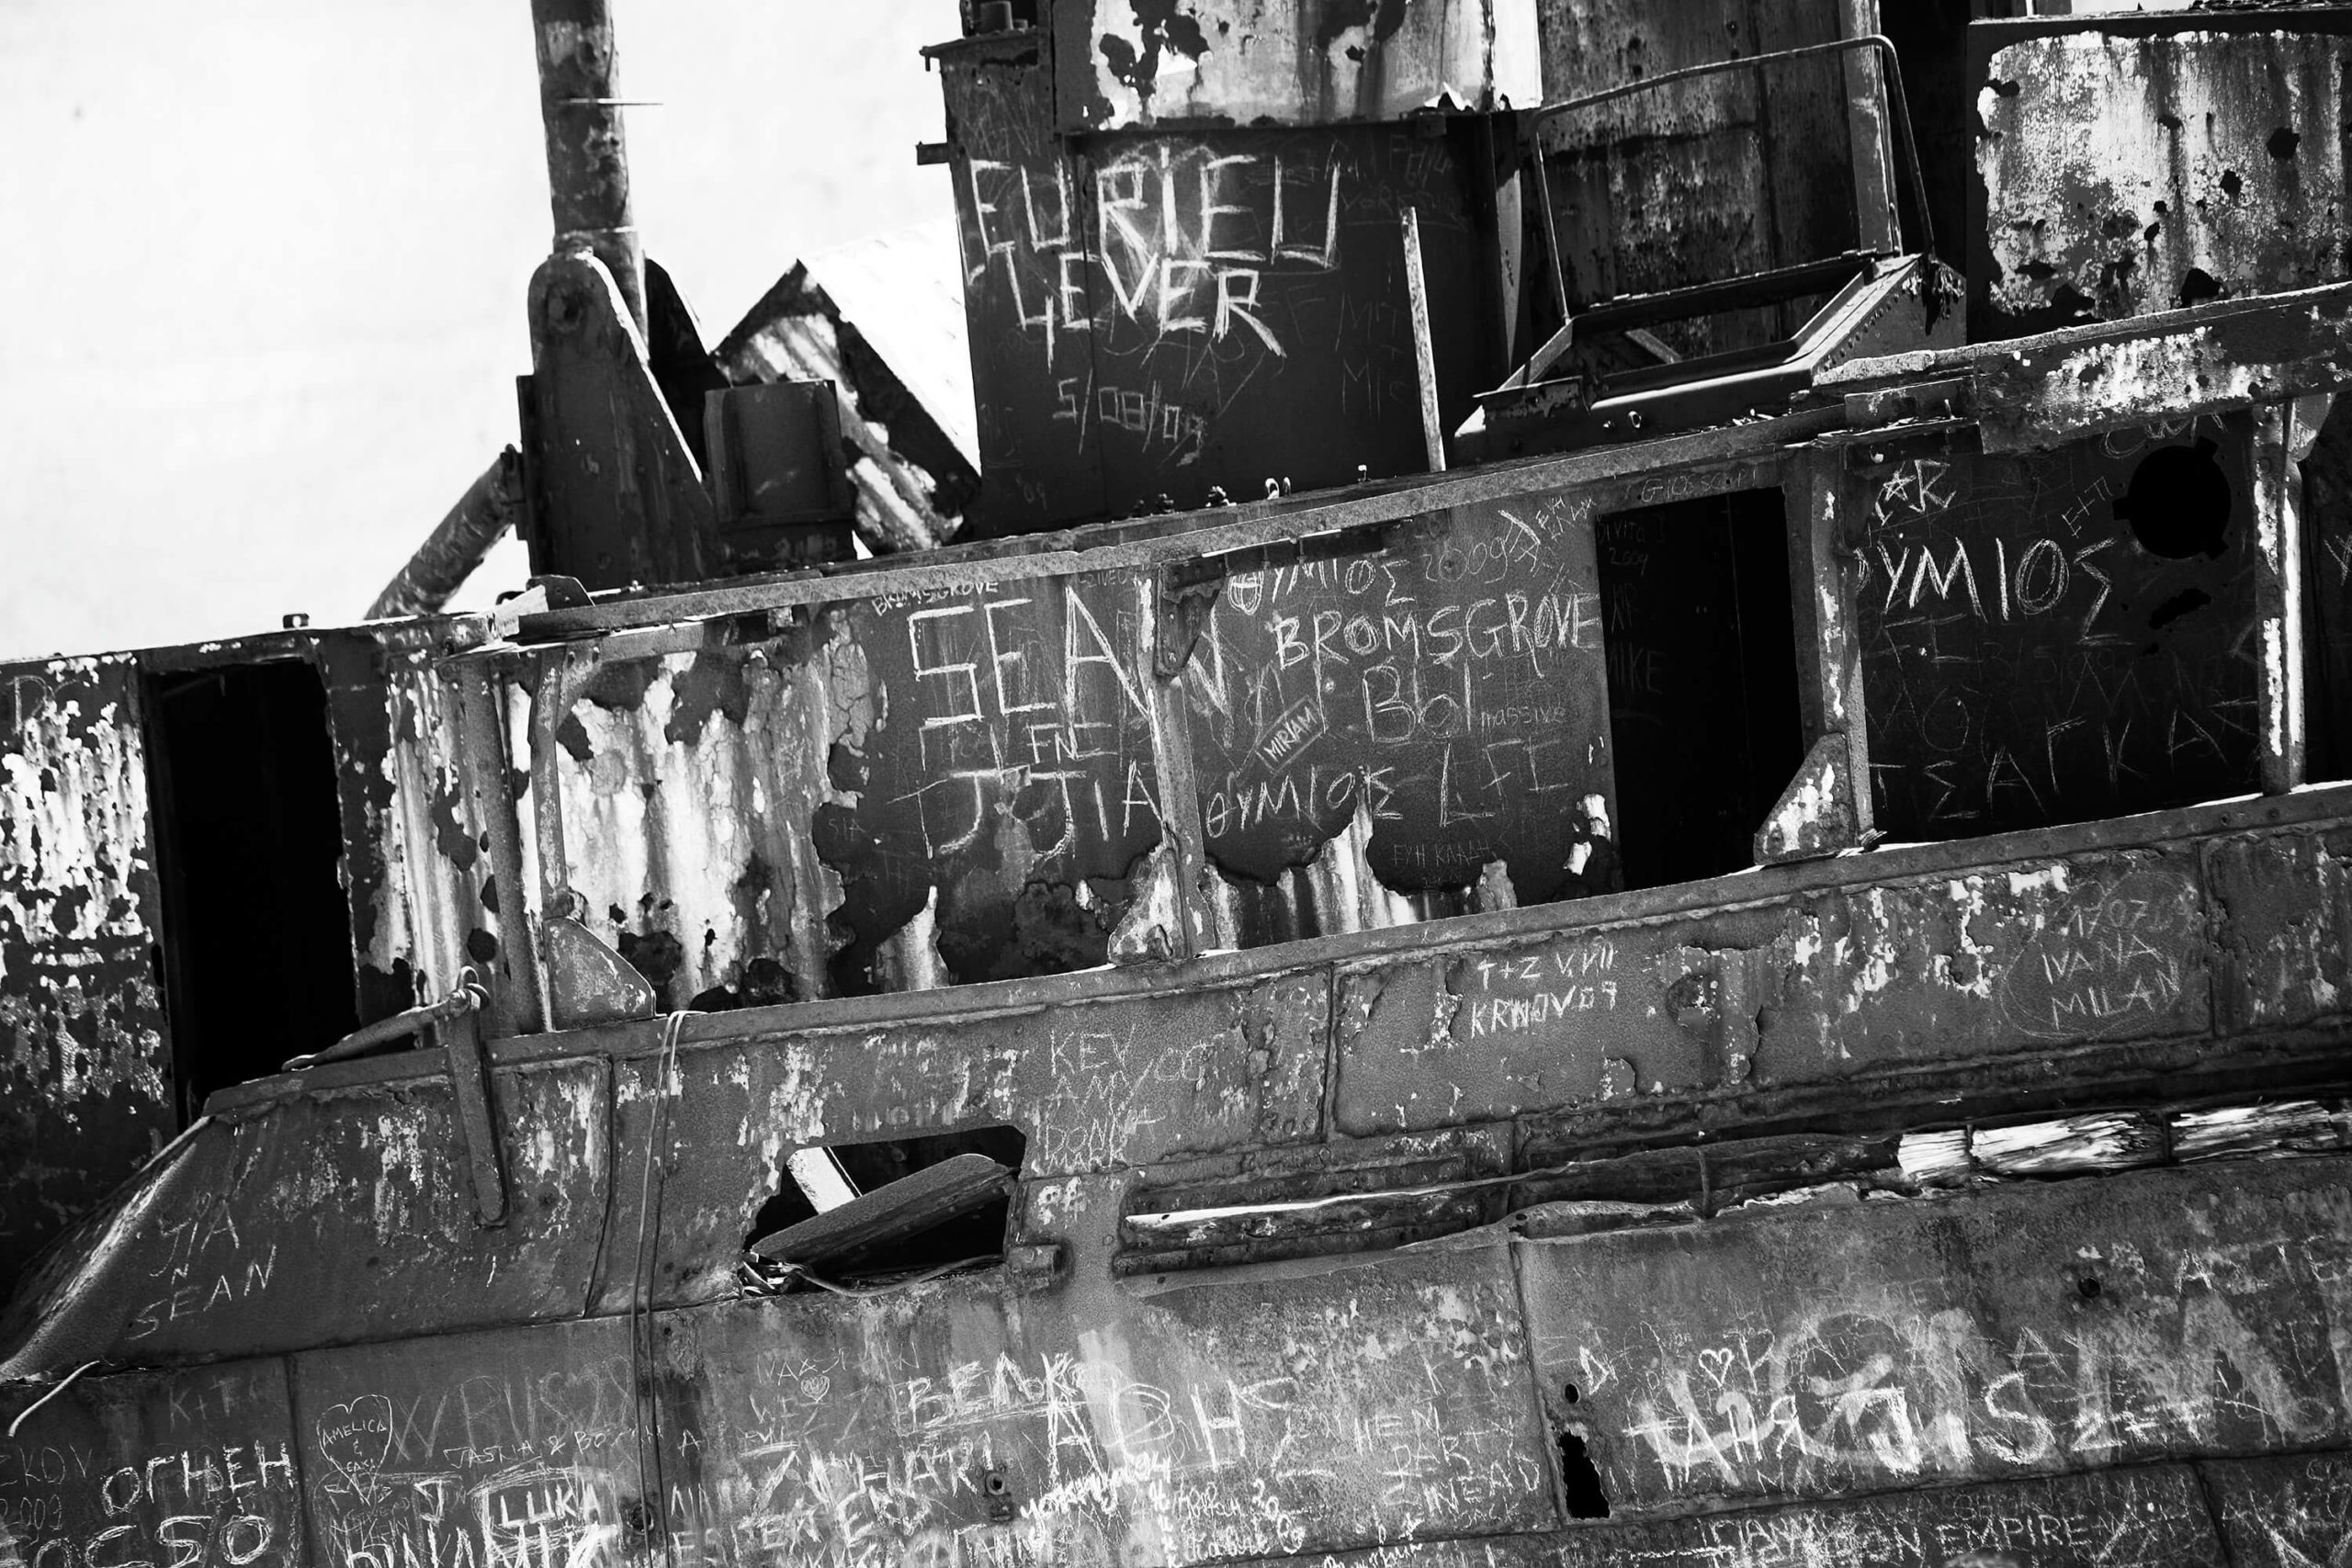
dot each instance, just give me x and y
(1547, 1441)
(2213, 1513)
(313, 1527)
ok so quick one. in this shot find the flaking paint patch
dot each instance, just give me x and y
(429, 900)
(83, 1088)
(397, 1140)
(2050, 878)
(1302, 61)
(2113, 166)
(554, 1142)
(688, 816)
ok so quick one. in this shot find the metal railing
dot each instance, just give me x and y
(1899, 110)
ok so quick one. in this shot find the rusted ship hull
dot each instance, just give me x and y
(1939, 1155)
(2102, 1339)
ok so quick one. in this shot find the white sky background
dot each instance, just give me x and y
(264, 265)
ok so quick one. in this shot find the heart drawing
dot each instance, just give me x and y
(356, 1439)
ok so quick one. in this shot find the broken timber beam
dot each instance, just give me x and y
(904, 1208)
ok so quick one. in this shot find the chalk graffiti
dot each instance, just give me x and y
(66, 1506)
(1443, 680)
(864, 1450)
(2206, 1335)
(2107, 960)
(2028, 659)
(1182, 240)
(204, 1264)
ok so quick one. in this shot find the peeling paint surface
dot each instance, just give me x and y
(755, 825)
(438, 906)
(2119, 173)
(686, 803)
(2288, 904)
(85, 1089)
(358, 670)
(1895, 974)
(1131, 64)
(2175, 952)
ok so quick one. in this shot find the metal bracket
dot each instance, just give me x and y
(1815, 815)
(588, 983)
(478, 1139)
(618, 496)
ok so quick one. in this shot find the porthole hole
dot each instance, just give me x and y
(2178, 502)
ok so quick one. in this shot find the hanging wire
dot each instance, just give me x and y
(640, 1303)
(23, 1415)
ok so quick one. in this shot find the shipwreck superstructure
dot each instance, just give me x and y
(1602, 821)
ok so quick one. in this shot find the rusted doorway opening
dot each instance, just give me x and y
(248, 847)
(1703, 680)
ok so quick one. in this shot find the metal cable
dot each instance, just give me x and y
(640, 1303)
(52, 1394)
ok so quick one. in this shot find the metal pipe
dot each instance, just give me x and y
(1417, 297)
(562, 677)
(518, 989)
(450, 554)
(372, 1037)
(580, 104)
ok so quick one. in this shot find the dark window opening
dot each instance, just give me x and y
(1703, 680)
(257, 935)
(1581, 1480)
(847, 1211)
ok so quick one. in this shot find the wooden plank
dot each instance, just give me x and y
(896, 1211)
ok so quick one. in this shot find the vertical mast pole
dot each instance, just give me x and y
(581, 105)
